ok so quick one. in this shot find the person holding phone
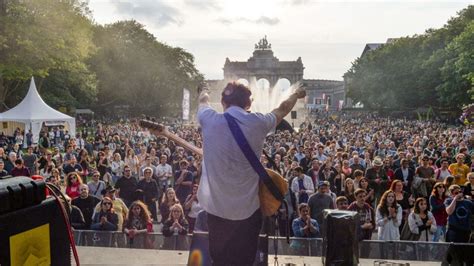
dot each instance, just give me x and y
(459, 211)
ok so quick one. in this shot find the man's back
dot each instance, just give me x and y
(229, 185)
(317, 203)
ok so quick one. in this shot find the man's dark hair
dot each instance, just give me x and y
(236, 94)
(298, 169)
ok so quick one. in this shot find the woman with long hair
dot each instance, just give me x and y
(138, 221)
(192, 207)
(117, 166)
(73, 182)
(437, 198)
(169, 199)
(349, 189)
(132, 160)
(106, 219)
(403, 198)
(421, 221)
(448, 181)
(175, 224)
(388, 217)
(364, 184)
(469, 186)
(84, 161)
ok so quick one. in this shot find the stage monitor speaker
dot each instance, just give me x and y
(293, 114)
(32, 230)
(340, 242)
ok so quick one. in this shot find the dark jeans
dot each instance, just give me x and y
(234, 242)
(457, 236)
(152, 208)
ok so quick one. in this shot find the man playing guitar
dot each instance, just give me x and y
(229, 186)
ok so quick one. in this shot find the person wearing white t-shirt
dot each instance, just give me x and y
(228, 190)
(442, 172)
(163, 173)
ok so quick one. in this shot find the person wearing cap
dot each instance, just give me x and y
(377, 177)
(118, 205)
(320, 201)
(184, 181)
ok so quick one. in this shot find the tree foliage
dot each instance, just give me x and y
(39, 38)
(432, 69)
(136, 70)
(80, 64)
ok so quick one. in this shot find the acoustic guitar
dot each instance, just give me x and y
(269, 205)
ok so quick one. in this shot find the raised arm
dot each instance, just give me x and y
(204, 98)
(288, 104)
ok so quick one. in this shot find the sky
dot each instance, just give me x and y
(327, 35)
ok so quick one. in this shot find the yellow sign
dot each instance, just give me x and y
(31, 247)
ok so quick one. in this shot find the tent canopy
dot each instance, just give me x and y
(33, 111)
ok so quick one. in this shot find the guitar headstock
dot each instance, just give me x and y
(151, 124)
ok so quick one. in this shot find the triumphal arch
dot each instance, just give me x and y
(264, 65)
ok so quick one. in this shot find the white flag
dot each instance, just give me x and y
(186, 104)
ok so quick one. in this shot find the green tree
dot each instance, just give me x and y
(432, 69)
(40, 38)
(134, 69)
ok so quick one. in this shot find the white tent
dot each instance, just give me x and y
(32, 111)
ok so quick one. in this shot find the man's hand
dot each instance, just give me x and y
(204, 97)
(300, 90)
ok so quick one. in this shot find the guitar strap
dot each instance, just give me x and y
(251, 157)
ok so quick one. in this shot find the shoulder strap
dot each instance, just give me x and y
(251, 157)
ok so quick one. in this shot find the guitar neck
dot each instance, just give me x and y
(181, 142)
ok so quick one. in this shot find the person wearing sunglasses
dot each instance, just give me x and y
(459, 211)
(106, 219)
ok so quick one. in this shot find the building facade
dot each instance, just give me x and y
(263, 65)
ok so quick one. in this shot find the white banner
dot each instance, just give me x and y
(186, 105)
(341, 104)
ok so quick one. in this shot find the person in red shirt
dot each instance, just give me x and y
(73, 182)
(19, 169)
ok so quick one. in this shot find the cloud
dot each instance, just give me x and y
(261, 20)
(155, 12)
(299, 2)
(203, 5)
(267, 20)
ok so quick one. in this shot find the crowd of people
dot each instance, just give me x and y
(406, 179)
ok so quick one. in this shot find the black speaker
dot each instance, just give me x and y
(340, 243)
(32, 230)
(293, 114)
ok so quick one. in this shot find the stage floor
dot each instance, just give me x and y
(123, 256)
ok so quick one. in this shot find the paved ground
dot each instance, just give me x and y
(120, 256)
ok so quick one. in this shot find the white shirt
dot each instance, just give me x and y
(229, 185)
(163, 169)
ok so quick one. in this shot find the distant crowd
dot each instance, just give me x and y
(407, 179)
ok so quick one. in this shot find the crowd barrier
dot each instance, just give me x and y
(370, 249)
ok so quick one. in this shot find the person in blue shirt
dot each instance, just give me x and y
(459, 211)
(304, 225)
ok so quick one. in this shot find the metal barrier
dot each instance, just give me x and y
(371, 249)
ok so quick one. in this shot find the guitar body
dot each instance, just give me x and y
(269, 205)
